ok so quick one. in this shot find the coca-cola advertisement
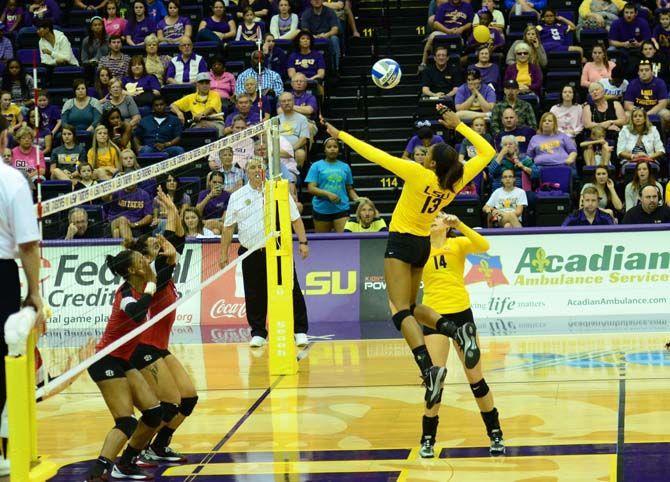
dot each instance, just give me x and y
(222, 302)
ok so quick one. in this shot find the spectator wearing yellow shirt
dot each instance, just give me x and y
(10, 111)
(367, 219)
(104, 156)
(203, 108)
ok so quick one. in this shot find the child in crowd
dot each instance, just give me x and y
(50, 113)
(553, 31)
(84, 177)
(248, 30)
(661, 33)
(597, 152)
(12, 16)
(66, 157)
(10, 111)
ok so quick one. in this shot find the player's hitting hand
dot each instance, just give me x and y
(451, 220)
(449, 119)
(332, 131)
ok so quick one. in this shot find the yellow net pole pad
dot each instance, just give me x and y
(279, 256)
(22, 415)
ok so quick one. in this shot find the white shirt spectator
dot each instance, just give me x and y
(246, 209)
(18, 221)
(59, 52)
(507, 201)
(290, 33)
(651, 141)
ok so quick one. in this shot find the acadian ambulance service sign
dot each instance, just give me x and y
(589, 274)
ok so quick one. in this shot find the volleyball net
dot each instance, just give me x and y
(81, 228)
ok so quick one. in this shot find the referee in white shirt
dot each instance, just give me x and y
(19, 237)
(245, 208)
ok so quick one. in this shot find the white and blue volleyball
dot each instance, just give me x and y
(386, 73)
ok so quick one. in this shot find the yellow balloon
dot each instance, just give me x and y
(481, 33)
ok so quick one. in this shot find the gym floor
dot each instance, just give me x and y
(572, 408)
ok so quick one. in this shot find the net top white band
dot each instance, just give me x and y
(77, 198)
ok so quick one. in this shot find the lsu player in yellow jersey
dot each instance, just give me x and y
(427, 189)
(444, 291)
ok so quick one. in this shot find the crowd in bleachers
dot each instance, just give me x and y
(122, 84)
(574, 101)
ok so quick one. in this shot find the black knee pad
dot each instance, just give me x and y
(152, 417)
(126, 424)
(399, 317)
(187, 405)
(170, 411)
(479, 389)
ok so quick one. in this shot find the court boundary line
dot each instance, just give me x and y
(302, 354)
(621, 419)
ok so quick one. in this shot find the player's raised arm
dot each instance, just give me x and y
(400, 167)
(485, 151)
(476, 243)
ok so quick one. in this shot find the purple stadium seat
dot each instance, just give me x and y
(52, 189)
(27, 56)
(147, 159)
(561, 175)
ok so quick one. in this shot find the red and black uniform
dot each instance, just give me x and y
(153, 343)
(129, 309)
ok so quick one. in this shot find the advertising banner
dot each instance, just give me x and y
(80, 288)
(579, 282)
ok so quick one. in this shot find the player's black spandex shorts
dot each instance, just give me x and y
(411, 249)
(109, 367)
(460, 319)
(144, 355)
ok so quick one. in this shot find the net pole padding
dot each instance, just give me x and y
(279, 263)
(22, 418)
(74, 371)
(77, 198)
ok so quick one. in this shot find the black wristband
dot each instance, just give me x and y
(303, 242)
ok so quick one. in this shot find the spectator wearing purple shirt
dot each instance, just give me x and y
(552, 148)
(590, 214)
(12, 16)
(495, 43)
(629, 31)
(490, 71)
(452, 18)
(243, 109)
(183, 68)
(42, 10)
(131, 212)
(305, 60)
(661, 31)
(649, 93)
(49, 114)
(139, 25)
(173, 26)
(553, 33)
(217, 27)
(424, 137)
(473, 98)
(6, 48)
(142, 87)
(511, 127)
(213, 202)
(322, 22)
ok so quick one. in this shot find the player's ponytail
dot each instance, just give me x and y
(120, 263)
(447, 166)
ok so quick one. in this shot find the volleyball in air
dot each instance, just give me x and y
(481, 33)
(386, 73)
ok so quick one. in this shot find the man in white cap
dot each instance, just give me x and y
(203, 109)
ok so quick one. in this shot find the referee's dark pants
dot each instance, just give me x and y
(255, 276)
(10, 302)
